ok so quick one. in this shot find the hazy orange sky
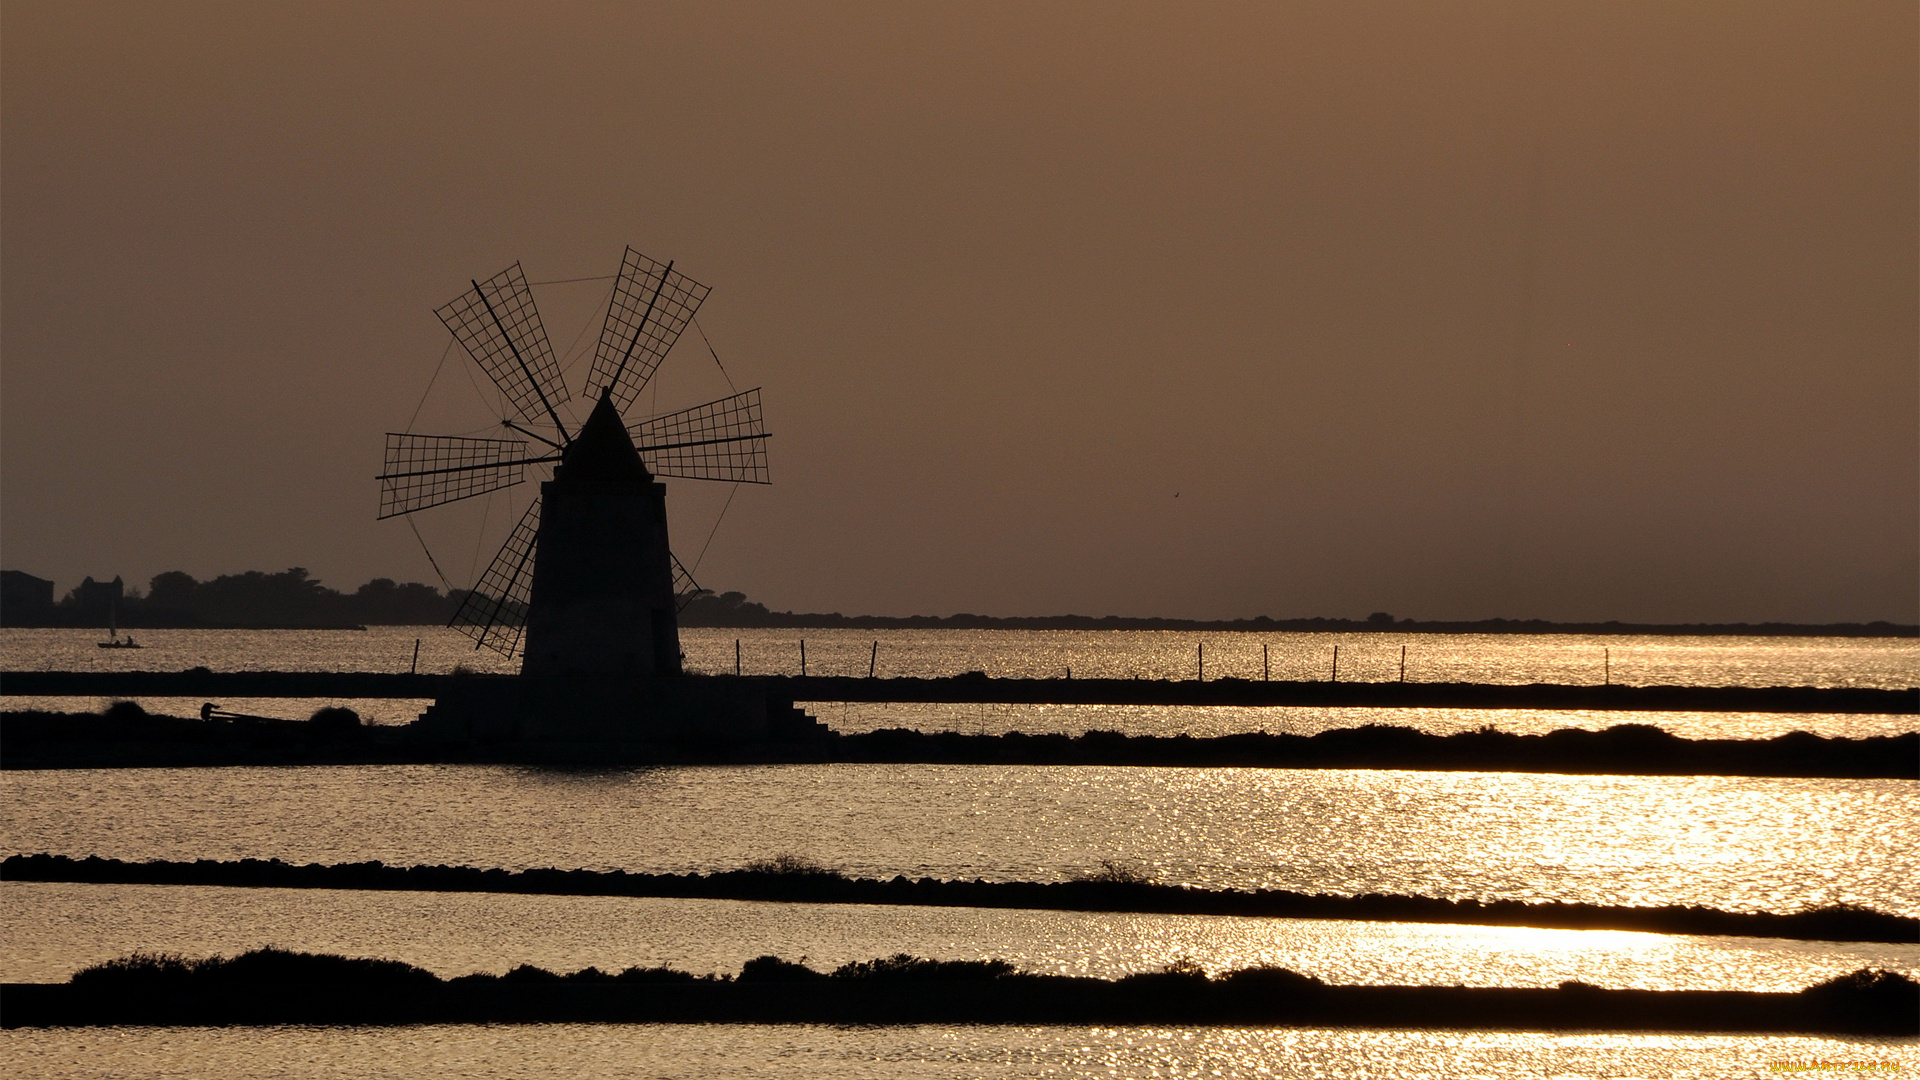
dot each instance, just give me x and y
(1573, 310)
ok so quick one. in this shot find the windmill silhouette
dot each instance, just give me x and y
(585, 580)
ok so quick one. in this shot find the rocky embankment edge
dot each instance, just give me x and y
(1115, 888)
(125, 736)
(271, 986)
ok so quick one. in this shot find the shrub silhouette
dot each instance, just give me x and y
(269, 970)
(125, 712)
(1871, 987)
(1115, 872)
(138, 969)
(1271, 981)
(527, 973)
(904, 967)
(772, 969)
(789, 865)
(659, 975)
(335, 720)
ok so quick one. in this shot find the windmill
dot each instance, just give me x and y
(585, 583)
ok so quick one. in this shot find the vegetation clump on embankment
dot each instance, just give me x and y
(272, 986)
(795, 881)
(1624, 749)
(976, 687)
(126, 736)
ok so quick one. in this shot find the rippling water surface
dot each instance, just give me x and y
(1491, 658)
(1728, 842)
(53, 929)
(1148, 654)
(1733, 843)
(931, 1052)
(1481, 658)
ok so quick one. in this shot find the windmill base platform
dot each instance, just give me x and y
(589, 720)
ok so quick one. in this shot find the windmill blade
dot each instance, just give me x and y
(429, 470)
(721, 440)
(498, 325)
(494, 613)
(685, 589)
(652, 303)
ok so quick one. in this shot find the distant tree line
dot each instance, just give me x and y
(290, 599)
(732, 609)
(293, 599)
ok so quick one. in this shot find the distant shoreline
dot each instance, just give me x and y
(789, 620)
(292, 600)
(698, 616)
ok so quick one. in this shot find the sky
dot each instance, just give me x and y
(1580, 311)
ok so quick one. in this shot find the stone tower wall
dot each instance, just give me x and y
(602, 593)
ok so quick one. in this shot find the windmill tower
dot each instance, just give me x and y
(586, 589)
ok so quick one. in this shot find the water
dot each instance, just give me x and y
(1885, 663)
(1733, 843)
(1149, 654)
(51, 929)
(931, 1052)
(1206, 721)
(1737, 843)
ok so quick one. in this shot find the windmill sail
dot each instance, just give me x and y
(494, 613)
(429, 470)
(498, 325)
(721, 440)
(652, 303)
(685, 589)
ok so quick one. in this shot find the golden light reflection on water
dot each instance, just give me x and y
(932, 1052)
(1564, 658)
(1726, 842)
(50, 930)
(1738, 844)
(1205, 721)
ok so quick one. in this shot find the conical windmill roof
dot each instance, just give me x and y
(602, 451)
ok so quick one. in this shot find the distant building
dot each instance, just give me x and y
(25, 600)
(95, 602)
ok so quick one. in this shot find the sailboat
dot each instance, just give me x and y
(114, 641)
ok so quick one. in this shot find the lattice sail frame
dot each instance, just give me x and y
(652, 304)
(432, 470)
(499, 326)
(494, 613)
(721, 440)
(685, 589)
